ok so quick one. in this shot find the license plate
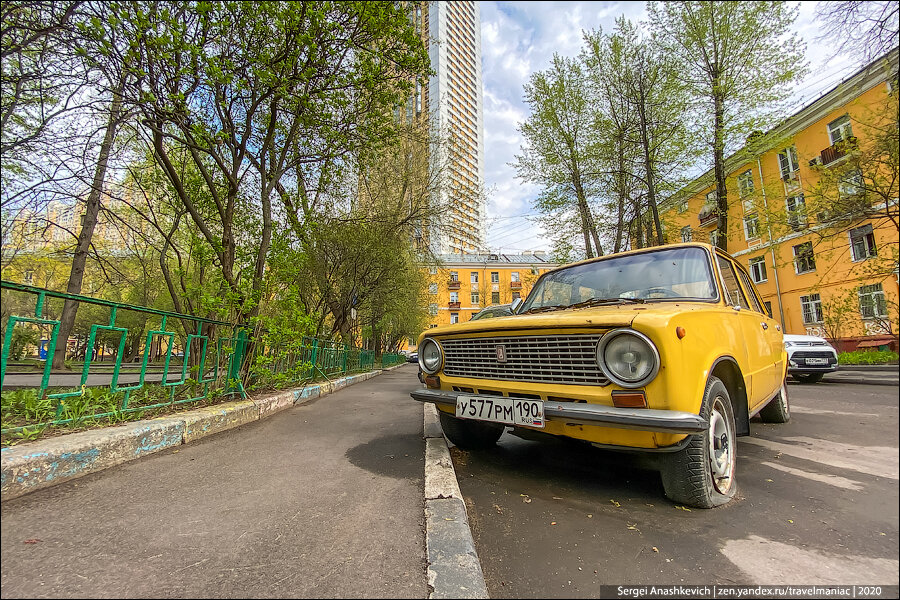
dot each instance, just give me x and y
(511, 411)
(817, 361)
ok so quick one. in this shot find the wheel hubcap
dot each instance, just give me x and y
(721, 452)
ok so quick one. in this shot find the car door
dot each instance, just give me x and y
(758, 370)
(772, 330)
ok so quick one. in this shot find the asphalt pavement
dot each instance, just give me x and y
(323, 499)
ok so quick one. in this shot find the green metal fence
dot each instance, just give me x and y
(183, 359)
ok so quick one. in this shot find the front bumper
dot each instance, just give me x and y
(799, 365)
(642, 419)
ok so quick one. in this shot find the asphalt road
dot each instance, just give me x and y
(320, 500)
(817, 504)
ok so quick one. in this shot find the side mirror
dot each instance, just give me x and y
(516, 303)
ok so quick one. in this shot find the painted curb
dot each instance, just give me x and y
(454, 570)
(43, 464)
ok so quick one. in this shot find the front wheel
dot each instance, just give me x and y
(469, 434)
(809, 377)
(702, 473)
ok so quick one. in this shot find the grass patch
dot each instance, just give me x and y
(868, 357)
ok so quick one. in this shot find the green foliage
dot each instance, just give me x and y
(868, 357)
(22, 337)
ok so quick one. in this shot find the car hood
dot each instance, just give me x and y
(790, 337)
(618, 315)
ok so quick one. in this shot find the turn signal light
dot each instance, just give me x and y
(629, 399)
(433, 381)
(680, 332)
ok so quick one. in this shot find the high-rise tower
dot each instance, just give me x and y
(454, 101)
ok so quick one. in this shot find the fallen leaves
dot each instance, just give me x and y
(685, 508)
(616, 504)
(32, 541)
(655, 549)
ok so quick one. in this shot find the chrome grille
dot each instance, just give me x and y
(567, 359)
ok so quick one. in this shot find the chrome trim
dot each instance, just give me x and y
(642, 419)
(422, 356)
(604, 341)
(561, 359)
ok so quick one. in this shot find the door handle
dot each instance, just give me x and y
(765, 325)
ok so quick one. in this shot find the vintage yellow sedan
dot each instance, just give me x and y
(667, 350)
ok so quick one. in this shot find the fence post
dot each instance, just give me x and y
(237, 358)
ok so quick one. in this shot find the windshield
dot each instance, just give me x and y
(675, 274)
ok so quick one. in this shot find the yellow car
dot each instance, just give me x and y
(666, 349)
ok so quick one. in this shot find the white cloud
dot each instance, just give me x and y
(519, 38)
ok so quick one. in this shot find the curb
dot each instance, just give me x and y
(31, 467)
(454, 570)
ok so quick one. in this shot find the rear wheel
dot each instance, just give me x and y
(469, 434)
(809, 377)
(777, 410)
(702, 473)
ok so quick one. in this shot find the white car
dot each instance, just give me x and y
(809, 357)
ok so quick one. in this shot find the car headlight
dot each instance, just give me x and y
(430, 356)
(628, 358)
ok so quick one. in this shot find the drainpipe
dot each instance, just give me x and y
(762, 185)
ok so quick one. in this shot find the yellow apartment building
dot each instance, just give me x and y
(463, 284)
(813, 212)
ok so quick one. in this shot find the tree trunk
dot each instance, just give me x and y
(91, 211)
(648, 171)
(719, 164)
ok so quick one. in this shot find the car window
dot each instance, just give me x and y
(751, 291)
(730, 281)
(667, 274)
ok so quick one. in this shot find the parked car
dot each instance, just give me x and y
(413, 357)
(666, 350)
(499, 310)
(809, 357)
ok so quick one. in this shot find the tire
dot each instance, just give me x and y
(702, 473)
(809, 377)
(469, 434)
(778, 410)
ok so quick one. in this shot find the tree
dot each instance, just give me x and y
(736, 59)
(560, 147)
(865, 29)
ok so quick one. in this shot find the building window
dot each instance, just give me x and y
(686, 233)
(474, 277)
(454, 276)
(851, 184)
(812, 308)
(432, 309)
(714, 237)
(514, 276)
(454, 296)
(840, 129)
(432, 288)
(787, 161)
(745, 183)
(432, 270)
(796, 212)
(495, 297)
(871, 301)
(751, 227)
(454, 317)
(711, 197)
(474, 297)
(682, 206)
(515, 295)
(758, 269)
(804, 259)
(495, 277)
(862, 242)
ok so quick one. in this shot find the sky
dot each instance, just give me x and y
(519, 38)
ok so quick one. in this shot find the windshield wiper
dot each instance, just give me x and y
(599, 301)
(538, 309)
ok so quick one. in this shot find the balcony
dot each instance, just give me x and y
(709, 215)
(453, 305)
(515, 285)
(838, 150)
(453, 284)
